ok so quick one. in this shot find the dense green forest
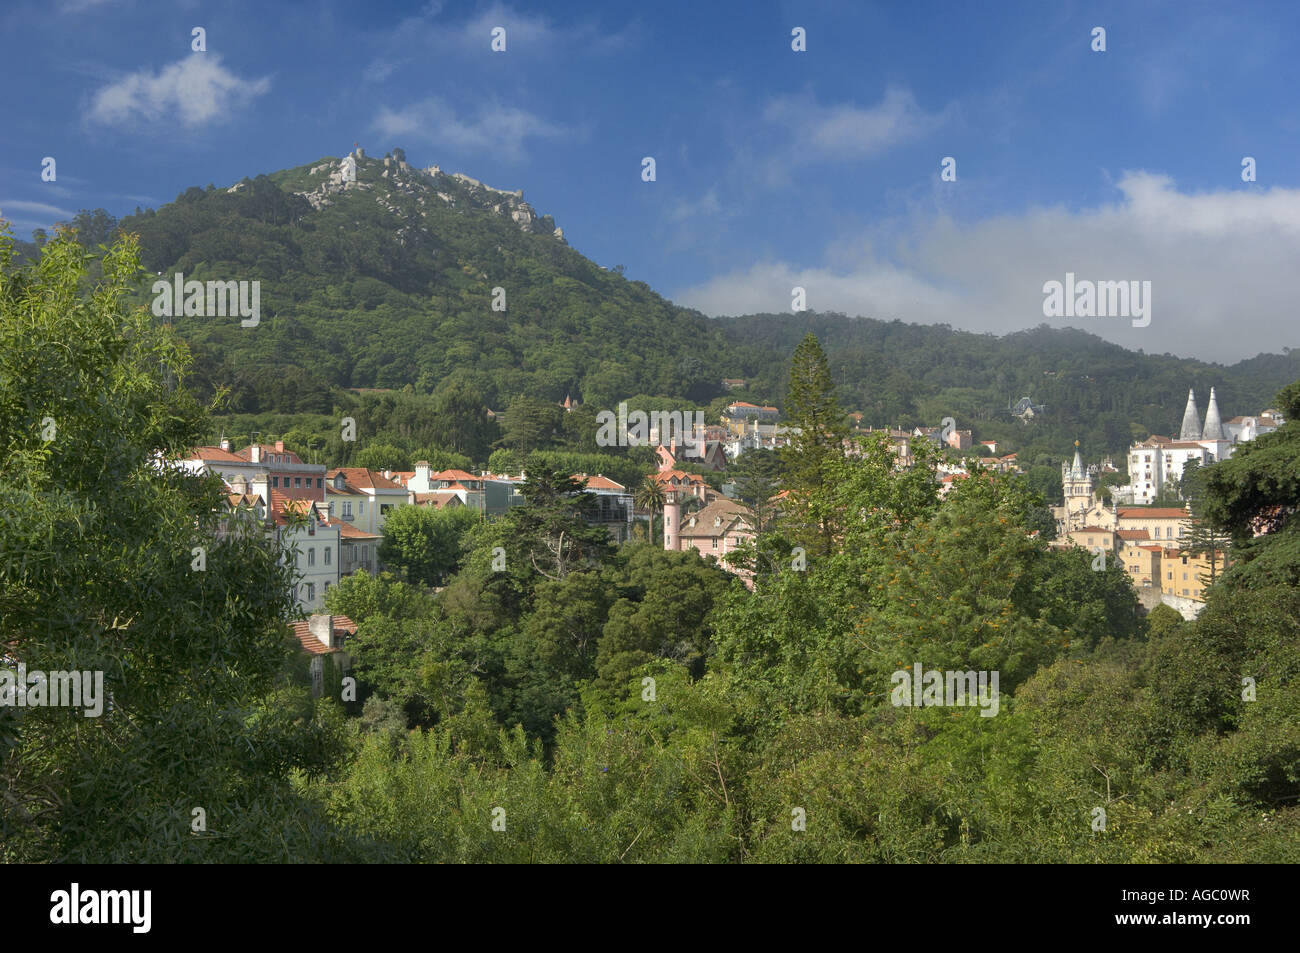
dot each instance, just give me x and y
(391, 287)
(586, 703)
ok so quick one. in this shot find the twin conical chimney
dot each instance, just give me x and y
(1213, 426)
(1192, 419)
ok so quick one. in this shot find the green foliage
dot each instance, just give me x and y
(581, 703)
(95, 575)
(424, 545)
(1258, 490)
(380, 457)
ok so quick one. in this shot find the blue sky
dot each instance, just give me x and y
(774, 168)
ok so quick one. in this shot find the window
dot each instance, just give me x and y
(311, 557)
(361, 508)
(297, 482)
(347, 510)
(320, 483)
(311, 591)
(327, 558)
(275, 481)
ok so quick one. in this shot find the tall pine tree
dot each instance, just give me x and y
(812, 406)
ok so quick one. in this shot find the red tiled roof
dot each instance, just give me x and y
(302, 632)
(1133, 534)
(664, 476)
(437, 499)
(456, 475)
(348, 531)
(215, 454)
(1152, 512)
(729, 510)
(246, 453)
(360, 477)
(598, 482)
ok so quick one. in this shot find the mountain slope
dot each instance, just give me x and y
(389, 281)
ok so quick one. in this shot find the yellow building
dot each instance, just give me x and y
(1092, 538)
(1162, 523)
(1141, 562)
(1184, 574)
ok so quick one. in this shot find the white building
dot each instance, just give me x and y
(314, 544)
(302, 526)
(362, 497)
(1157, 462)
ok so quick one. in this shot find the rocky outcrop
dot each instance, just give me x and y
(455, 189)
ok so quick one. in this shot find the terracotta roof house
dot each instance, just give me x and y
(321, 637)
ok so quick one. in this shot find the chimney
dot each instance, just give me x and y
(322, 629)
(255, 453)
(279, 446)
(225, 444)
(260, 486)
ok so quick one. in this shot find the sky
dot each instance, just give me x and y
(775, 168)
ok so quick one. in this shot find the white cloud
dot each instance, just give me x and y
(497, 129)
(53, 212)
(706, 205)
(193, 90)
(535, 34)
(1221, 264)
(845, 132)
(78, 6)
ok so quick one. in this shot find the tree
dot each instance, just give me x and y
(813, 408)
(506, 461)
(424, 544)
(757, 475)
(111, 563)
(1204, 539)
(460, 421)
(650, 496)
(380, 457)
(531, 424)
(550, 533)
(1257, 490)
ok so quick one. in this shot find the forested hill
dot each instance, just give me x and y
(1098, 392)
(390, 282)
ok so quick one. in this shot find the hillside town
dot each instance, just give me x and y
(333, 518)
